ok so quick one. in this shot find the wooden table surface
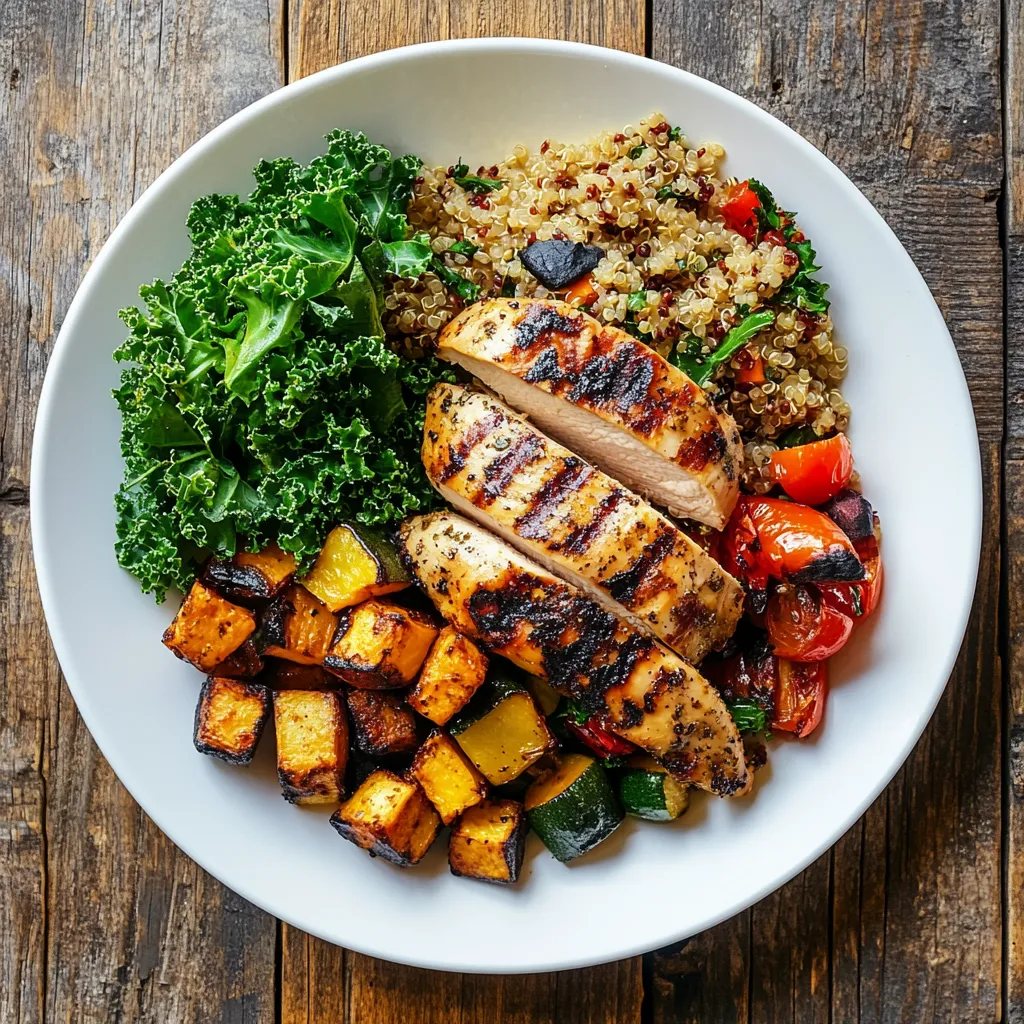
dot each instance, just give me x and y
(917, 914)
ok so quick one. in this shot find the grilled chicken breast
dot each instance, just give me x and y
(649, 695)
(493, 465)
(606, 396)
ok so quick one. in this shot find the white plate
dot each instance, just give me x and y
(650, 884)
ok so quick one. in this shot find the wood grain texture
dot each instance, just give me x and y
(101, 918)
(321, 34)
(901, 920)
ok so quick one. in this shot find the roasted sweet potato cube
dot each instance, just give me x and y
(208, 628)
(297, 627)
(245, 663)
(447, 776)
(250, 576)
(389, 816)
(312, 744)
(381, 723)
(230, 717)
(380, 645)
(488, 842)
(290, 675)
(452, 673)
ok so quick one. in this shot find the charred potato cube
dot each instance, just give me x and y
(454, 670)
(390, 817)
(312, 744)
(447, 777)
(355, 564)
(380, 645)
(297, 627)
(230, 717)
(381, 724)
(290, 675)
(251, 576)
(245, 663)
(208, 628)
(488, 842)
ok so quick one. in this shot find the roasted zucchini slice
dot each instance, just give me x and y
(297, 627)
(312, 744)
(244, 663)
(447, 777)
(454, 670)
(502, 732)
(230, 717)
(290, 675)
(648, 791)
(380, 645)
(251, 576)
(381, 724)
(488, 842)
(208, 628)
(355, 564)
(573, 807)
(390, 817)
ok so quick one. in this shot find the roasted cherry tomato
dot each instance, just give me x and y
(738, 210)
(595, 735)
(814, 473)
(803, 626)
(800, 692)
(770, 537)
(750, 673)
(582, 292)
(857, 599)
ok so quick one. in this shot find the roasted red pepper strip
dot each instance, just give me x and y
(800, 693)
(738, 210)
(593, 734)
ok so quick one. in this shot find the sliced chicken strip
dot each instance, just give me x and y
(494, 466)
(516, 609)
(606, 396)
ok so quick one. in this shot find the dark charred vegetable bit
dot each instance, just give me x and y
(557, 262)
(471, 183)
(700, 369)
(852, 513)
(508, 288)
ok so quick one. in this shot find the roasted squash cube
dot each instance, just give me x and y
(355, 564)
(381, 724)
(245, 663)
(389, 816)
(502, 732)
(488, 842)
(447, 777)
(290, 675)
(312, 744)
(380, 645)
(251, 575)
(207, 628)
(230, 717)
(452, 673)
(297, 627)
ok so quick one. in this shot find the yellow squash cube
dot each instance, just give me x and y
(355, 564)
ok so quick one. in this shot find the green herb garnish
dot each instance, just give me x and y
(262, 401)
(768, 212)
(637, 300)
(466, 290)
(637, 151)
(471, 183)
(797, 436)
(802, 290)
(464, 248)
(675, 133)
(700, 369)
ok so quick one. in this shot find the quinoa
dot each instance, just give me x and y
(697, 276)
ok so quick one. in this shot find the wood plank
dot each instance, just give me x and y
(101, 918)
(905, 99)
(322, 34)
